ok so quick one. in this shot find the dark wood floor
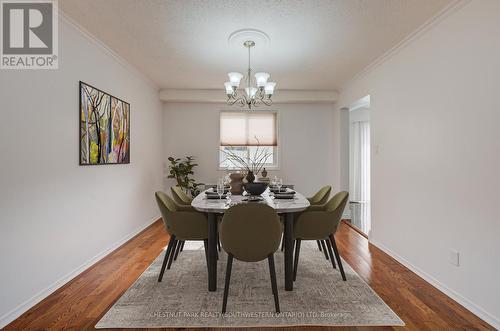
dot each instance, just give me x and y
(80, 304)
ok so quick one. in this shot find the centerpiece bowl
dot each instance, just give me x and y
(255, 188)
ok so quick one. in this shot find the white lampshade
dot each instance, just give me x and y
(261, 78)
(234, 78)
(229, 88)
(251, 91)
(270, 88)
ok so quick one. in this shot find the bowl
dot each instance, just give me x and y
(255, 188)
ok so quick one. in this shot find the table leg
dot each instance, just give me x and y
(288, 237)
(212, 252)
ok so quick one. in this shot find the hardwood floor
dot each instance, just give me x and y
(82, 302)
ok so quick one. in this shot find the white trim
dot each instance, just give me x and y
(127, 65)
(466, 303)
(434, 20)
(25, 306)
(178, 95)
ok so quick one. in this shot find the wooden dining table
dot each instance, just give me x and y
(214, 207)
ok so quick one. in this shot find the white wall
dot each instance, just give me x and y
(435, 114)
(58, 217)
(307, 155)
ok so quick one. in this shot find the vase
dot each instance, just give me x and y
(264, 173)
(250, 177)
(236, 183)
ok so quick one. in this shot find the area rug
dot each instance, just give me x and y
(182, 299)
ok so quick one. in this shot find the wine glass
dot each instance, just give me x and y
(220, 189)
(279, 183)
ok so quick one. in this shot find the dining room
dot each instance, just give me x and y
(291, 165)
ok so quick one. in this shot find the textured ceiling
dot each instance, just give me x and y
(315, 44)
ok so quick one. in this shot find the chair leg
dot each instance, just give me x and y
(296, 262)
(178, 249)
(282, 243)
(228, 279)
(324, 249)
(167, 255)
(218, 243)
(319, 245)
(205, 245)
(182, 246)
(174, 247)
(274, 286)
(337, 256)
(330, 253)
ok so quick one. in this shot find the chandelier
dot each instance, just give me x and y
(252, 96)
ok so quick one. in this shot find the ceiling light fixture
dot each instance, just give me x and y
(253, 96)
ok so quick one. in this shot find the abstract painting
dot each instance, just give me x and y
(104, 128)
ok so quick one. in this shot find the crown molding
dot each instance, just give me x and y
(454, 6)
(89, 36)
(218, 96)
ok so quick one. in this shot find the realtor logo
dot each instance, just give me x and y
(29, 34)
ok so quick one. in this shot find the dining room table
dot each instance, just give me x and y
(214, 207)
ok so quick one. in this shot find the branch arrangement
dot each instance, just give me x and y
(253, 163)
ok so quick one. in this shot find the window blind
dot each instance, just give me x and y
(248, 129)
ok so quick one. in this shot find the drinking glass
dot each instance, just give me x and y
(279, 183)
(220, 190)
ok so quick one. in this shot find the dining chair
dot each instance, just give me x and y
(182, 223)
(250, 233)
(320, 198)
(180, 196)
(321, 223)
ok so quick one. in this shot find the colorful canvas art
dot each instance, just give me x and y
(104, 127)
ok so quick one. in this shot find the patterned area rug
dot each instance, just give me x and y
(182, 299)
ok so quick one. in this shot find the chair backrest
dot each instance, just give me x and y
(321, 197)
(167, 208)
(316, 224)
(180, 196)
(184, 224)
(250, 232)
(336, 206)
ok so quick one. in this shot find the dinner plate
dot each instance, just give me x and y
(283, 196)
(215, 196)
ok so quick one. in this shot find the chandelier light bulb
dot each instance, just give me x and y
(235, 78)
(261, 78)
(251, 92)
(270, 88)
(229, 88)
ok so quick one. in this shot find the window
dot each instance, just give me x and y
(246, 134)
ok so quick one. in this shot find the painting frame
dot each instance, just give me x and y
(113, 103)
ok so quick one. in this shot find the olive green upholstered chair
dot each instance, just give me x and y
(320, 223)
(250, 232)
(180, 196)
(185, 201)
(183, 223)
(321, 197)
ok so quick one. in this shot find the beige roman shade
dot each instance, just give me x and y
(248, 129)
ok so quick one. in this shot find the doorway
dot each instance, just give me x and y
(360, 165)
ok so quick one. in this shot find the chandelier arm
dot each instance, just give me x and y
(267, 102)
(261, 94)
(240, 100)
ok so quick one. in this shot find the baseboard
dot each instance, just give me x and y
(25, 306)
(466, 303)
